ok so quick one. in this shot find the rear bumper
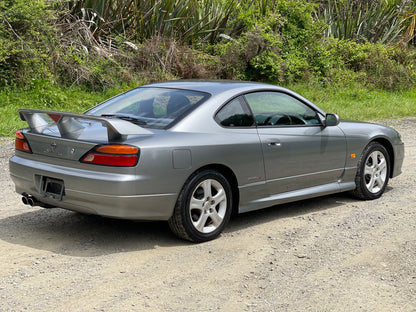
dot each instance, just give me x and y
(108, 194)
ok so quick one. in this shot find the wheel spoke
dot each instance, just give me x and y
(374, 157)
(219, 197)
(370, 184)
(368, 170)
(200, 223)
(382, 165)
(206, 185)
(380, 181)
(216, 218)
(196, 204)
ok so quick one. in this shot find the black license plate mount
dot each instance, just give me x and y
(51, 187)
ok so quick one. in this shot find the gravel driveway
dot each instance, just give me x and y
(332, 253)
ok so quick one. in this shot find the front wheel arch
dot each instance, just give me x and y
(389, 147)
(373, 171)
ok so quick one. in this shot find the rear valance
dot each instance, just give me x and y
(71, 124)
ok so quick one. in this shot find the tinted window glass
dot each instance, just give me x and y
(280, 109)
(235, 114)
(151, 107)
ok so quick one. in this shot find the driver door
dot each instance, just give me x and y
(298, 151)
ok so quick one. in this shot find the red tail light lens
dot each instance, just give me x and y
(20, 142)
(113, 155)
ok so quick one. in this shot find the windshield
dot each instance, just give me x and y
(151, 107)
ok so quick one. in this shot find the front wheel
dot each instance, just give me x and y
(373, 172)
(203, 207)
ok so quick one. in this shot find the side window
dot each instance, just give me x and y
(279, 109)
(235, 114)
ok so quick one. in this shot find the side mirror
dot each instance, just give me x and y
(331, 120)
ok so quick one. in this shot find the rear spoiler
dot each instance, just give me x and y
(69, 124)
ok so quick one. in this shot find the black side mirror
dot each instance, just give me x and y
(331, 120)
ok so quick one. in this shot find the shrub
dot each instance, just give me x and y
(380, 66)
(26, 39)
(277, 46)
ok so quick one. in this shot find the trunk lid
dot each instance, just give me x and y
(69, 136)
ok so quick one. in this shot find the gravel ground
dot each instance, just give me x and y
(332, 253)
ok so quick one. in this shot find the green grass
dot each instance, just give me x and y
(44, 95)
(353, 102)
(359, 103)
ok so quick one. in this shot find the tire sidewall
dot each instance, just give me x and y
(184, 203)
(360, 180)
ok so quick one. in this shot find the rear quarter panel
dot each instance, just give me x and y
(171, 158)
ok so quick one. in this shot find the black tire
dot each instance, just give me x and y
(373, 172)
(211, 198)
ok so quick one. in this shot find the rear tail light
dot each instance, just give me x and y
(21, 143)
(112, 155)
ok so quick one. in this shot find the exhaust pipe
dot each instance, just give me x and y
(29, 200)
(25, 200)
(32, 201)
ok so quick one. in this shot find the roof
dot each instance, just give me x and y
(210, 86)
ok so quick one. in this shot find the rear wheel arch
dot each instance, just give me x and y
(231, 178)
(227, 173)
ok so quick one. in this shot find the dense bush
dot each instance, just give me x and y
(26, 39)
(377, 65)
(103, 43)
(275, 48)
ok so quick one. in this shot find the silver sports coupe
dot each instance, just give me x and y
(194, 152)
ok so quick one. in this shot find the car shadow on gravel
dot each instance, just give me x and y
(69, 233)
(289, 210)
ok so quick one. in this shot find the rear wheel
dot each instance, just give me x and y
(373, 172)
(203, 207)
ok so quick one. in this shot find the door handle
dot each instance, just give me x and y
(273, 142)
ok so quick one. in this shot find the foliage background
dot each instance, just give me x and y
(96, 48)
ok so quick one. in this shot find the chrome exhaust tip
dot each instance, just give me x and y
(25, 199)
(29, 200)
(32, 201)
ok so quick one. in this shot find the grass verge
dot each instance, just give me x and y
(359, 103)
(44, 95)
(352, 102)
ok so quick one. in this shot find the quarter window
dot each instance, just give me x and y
(280, 109)
(235, 114)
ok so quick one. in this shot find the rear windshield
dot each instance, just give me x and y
(151, 107)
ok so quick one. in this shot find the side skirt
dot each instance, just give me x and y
(292, 196)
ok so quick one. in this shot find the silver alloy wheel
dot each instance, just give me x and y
(375, 171)
(208, 206)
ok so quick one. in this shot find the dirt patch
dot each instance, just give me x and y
(333, 253)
